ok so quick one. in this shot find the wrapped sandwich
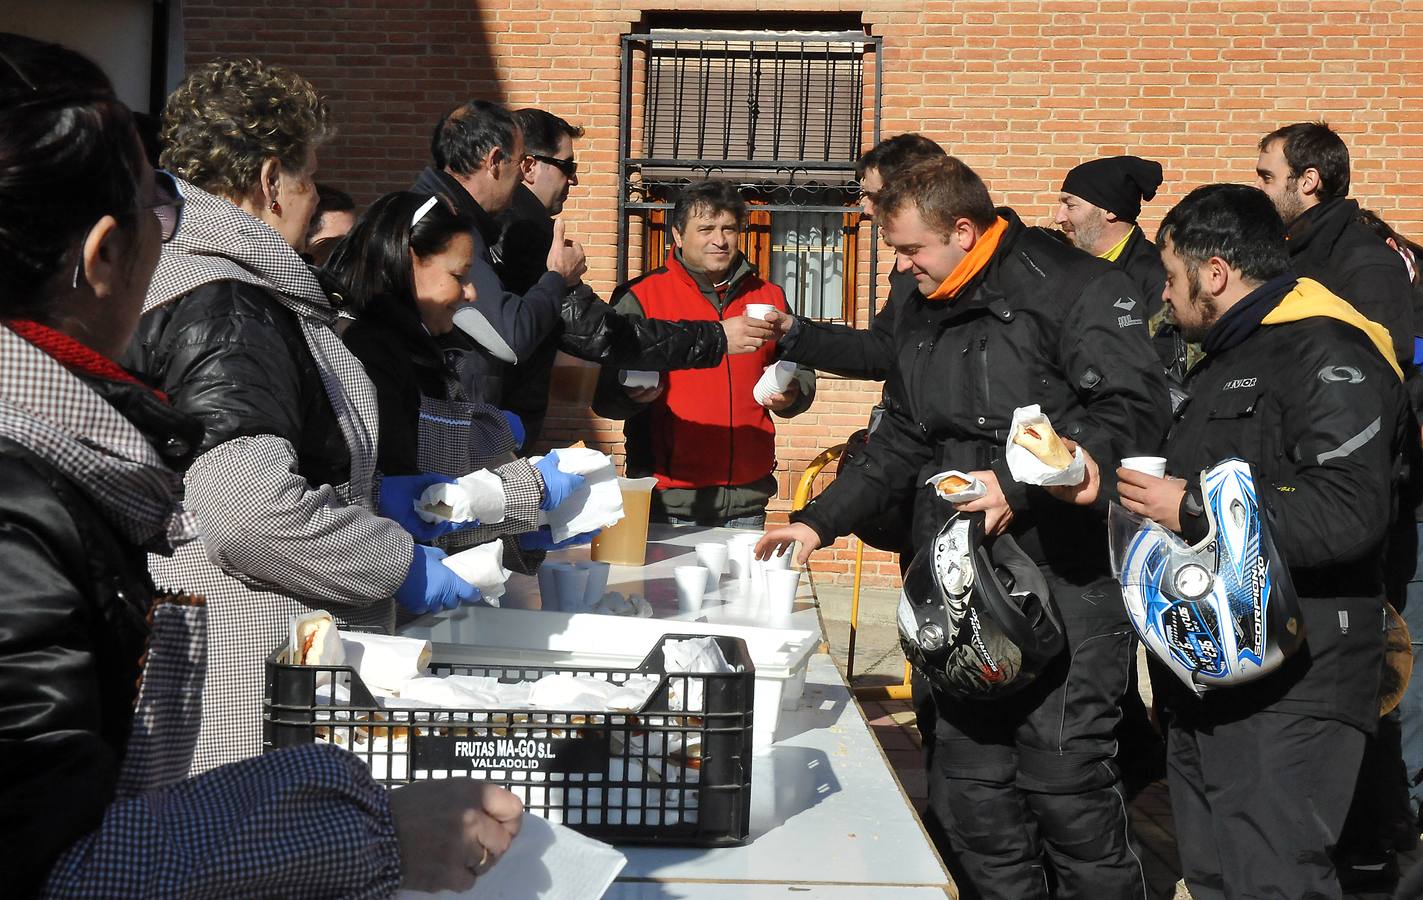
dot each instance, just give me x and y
(1037, 455)
(957, 487)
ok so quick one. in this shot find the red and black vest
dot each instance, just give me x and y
(707, 429)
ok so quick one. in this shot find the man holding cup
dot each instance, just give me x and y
(1007, 316)
(706, 434)
(1306, 390)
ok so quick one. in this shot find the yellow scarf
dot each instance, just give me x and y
(973, 263)
(1112, 254)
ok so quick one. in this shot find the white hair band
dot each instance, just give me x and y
(424, 208)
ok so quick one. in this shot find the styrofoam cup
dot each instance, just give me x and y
(713, 555)
(597, 583)
(1149, 465)
(739, 551)
(570, 582)
(781, 587)
(548, 589)
(759, 310)
(781, 562)
(691, 586)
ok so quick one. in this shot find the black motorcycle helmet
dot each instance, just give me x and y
(976, 617)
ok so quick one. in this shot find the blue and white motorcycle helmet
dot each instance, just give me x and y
(975, 615)
(1219, 612)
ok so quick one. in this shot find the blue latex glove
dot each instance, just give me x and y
(543, 540)
(431, 585)
(516, 425)
(558, 486)
(398, 494)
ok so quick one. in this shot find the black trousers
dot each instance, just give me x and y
(1259, 804)
(1026, 784)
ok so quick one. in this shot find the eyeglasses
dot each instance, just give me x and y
(167, 203)
(568, 167)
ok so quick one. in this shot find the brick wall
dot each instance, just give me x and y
(1022, 90)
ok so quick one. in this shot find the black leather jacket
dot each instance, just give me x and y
(73, 600)
(233, 356)
(1045, 324)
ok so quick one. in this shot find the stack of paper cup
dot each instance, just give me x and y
(597, 583)
(691, 587)
(571, 583)
(777, 377)
(1149, 465)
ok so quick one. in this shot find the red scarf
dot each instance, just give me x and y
(74, 356)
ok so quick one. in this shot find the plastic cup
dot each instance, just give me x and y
(714, 556)
(625, 543)
(759, 310)
(781, 587)
(570, 582)
(691, 586)
(597, 583)
(1149, 465)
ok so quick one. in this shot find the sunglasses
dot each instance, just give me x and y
(568, 167)
(167, 203)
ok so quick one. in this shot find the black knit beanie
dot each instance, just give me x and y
(1117, 184)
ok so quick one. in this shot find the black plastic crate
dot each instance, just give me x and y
(665, 774)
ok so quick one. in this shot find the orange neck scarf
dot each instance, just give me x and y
(973, 263)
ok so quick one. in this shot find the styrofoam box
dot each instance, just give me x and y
(482, 634)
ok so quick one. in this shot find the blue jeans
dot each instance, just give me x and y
(1410, 709)
(736, 522)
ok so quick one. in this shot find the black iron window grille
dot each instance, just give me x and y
(785, 115)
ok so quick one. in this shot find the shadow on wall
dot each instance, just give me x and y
(389, 72)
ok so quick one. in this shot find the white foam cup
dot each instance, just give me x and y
(781, 587)
(759, 310)
(691, 586)
(1149, 465)
(570, 582)
(597, 583)
(739, 555)
(714, 555)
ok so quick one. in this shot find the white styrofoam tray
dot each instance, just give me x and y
(549, 638)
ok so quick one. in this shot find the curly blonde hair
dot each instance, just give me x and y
(232, 115)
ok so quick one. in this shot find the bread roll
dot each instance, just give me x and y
(953, 484)
(1040, 440)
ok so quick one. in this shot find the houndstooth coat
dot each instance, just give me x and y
(273, 544)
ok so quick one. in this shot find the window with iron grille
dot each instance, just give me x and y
(784, 114)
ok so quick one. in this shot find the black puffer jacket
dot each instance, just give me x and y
(74, 596)
(1043, 323)
(233, 356)
(1313, 406)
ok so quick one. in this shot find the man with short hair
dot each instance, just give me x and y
(549, 168)
(705, 436)
(1006, 316)
(1304, 169)
(1303, 388)
(477, 154)
(335, 216)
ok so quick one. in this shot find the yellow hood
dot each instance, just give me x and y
(1310, 300)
